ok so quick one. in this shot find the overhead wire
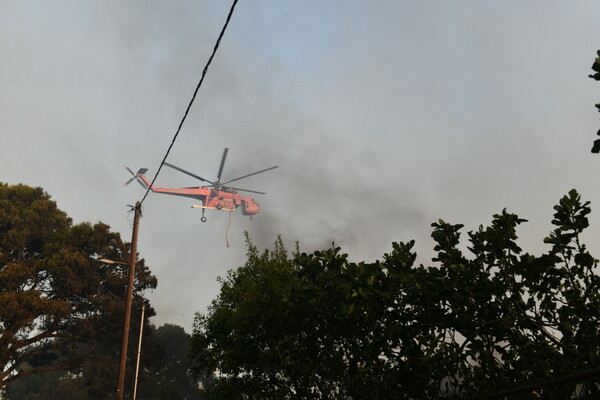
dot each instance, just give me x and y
(193, 98)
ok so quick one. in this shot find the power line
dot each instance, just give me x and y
(193, 98)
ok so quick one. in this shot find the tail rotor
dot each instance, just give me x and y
(135, 177)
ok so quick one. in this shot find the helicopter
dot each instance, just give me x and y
(215, 196)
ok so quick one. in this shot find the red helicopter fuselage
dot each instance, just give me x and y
(226, 200)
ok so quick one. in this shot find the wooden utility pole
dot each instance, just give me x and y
(129, 300)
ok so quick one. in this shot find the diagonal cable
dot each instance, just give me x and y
(193, 98)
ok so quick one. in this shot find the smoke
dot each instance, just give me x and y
(381, 119)
(324, 191)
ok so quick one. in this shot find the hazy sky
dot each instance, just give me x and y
(383, 117)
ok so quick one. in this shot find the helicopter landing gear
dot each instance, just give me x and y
(219, 206)
(252, 218)
(203, 219)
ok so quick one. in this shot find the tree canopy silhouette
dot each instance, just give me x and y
(163, 374)
(58, 303)
(596, 76)
(318, 326)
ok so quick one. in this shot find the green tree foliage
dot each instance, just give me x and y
(596, 76)
(163, 374)
(164, 366)
(59, 307)
(317, 326)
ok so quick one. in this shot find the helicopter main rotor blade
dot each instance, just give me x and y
(254, 173)
(222, 164)
(187, 172)
(245, 190)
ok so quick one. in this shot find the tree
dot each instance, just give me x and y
(163, 374)
(596, 76)
(164, 365)
(58, 304)
(509, 317)
(314, 326)
(317, 326)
